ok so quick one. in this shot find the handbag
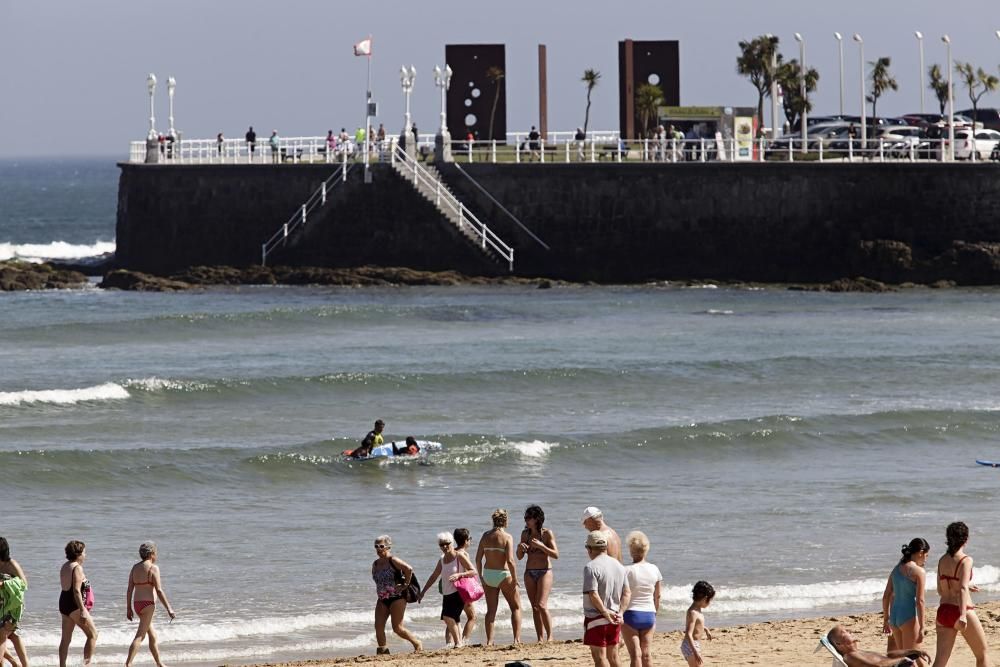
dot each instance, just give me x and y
(469, 588)
(412, 592)
(88, 595)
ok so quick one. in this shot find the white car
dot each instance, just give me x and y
(984, 141)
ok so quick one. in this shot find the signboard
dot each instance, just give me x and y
(743, 135)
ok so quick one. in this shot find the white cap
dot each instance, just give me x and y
(591, 513)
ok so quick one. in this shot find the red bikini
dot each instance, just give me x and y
(947, 613)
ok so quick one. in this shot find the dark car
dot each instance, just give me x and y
(990, 118)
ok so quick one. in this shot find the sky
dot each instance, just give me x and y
(73, 72)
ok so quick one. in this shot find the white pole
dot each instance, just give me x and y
(804, 119)
(171, 85)
(951, 105)
(368, 99)
(840, 49)
(861, 70)
(151, 86)
(920, 45)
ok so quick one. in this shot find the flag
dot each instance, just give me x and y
(364, 47)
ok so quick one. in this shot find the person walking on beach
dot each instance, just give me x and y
(644, 581)
(903, 599)
(392, 577)
(13, 584)
(495, 563)
(452, 566)
(605, 594)
(956, 614)
(593, 519)
(694, 624)
(539, 545)
(461, 536)
(144, 586)
(75, 602)
(847, 646)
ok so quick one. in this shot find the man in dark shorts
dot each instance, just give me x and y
(847, 646)
(605, 595)
(370, 442)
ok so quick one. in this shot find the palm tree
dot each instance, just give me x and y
(789, 77)
(882, 82)
(590, 77)
(939, 85)
(648, 98)
(976, 80)
(758, 61)
(495, 75)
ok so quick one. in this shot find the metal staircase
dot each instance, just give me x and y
(316, 200)
(426, 180)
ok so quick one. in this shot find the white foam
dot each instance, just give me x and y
(109, 391)
(533, 449)
(38, 252)
(153, 384)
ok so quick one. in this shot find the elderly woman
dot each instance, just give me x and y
(639, 620)
(539, 545)
(495, 562)
(73, 603)
(392, 577)
(144, 586)
(452, 566)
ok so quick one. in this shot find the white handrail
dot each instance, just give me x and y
(317, 199)
(443, 197)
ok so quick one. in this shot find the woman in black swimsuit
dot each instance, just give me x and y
(72, 607)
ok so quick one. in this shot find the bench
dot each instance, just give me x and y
(293, 154)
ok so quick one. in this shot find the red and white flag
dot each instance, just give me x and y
(364, 47)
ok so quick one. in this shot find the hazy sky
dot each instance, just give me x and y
(72, 72)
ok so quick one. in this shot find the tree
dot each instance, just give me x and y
(590, 77)
(648, 98)
(976, 80)
(495, 75)
(755, 62)
(939, 85)
(882, 82)
(789, 77)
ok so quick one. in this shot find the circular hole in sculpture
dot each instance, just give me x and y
(468, 102)
(654, 79)
(470, 120)
(476, 92)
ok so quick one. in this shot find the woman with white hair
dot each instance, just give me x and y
(144, 586)
(644, 580)
(452, 566)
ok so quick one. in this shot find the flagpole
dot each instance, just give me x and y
(368, 99)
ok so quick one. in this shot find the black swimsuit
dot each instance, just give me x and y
(67, 601)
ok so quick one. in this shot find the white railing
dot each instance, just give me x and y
(317, 199)
(446, 201)
(562, 147)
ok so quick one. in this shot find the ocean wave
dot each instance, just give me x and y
(39, 252)
(108, 391)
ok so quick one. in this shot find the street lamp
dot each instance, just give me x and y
(442, 141)
(861, 70)
(951, 104)
(171, 85)
(920, 44)
(804, 118)
(151, 86)
(406, 79)
(840, 48)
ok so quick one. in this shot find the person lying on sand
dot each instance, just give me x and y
(854, 657)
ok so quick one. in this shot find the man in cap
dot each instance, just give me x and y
(605, 596)
(371, 441)
(593, 519)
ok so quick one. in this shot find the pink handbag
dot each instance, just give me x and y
(469, 588)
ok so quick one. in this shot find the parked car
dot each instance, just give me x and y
(983, 141)
(990, 118)
(814, 135)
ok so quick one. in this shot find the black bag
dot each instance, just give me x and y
(412, 592)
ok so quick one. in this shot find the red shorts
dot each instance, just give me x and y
(598, 631)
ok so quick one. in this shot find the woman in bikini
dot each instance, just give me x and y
(72, 603)
(144, 585)
(539, 545)
(392, 577)
(495, 562)
(903, 599)
(956, 614)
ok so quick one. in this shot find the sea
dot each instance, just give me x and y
(780, 444)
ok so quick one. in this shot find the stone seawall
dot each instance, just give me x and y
(610, 222)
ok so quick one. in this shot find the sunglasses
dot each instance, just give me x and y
(381, 546)
(444, 545)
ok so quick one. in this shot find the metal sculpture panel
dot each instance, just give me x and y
(475, 88)
(656, 62)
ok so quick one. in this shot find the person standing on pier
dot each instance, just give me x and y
(275, 152)
(251, 138)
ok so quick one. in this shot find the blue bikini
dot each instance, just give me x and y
(904, 599)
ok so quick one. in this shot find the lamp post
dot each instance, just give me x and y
(171, 85)
(773, 73)
(804, 118)
(951, 104)
(406, 78)
(861, 70)
(840, 48)
(151, 86)
(442, 141)
(920, 45)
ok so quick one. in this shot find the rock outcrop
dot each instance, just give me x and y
(17, 275)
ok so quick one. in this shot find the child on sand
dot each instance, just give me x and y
(694, 625)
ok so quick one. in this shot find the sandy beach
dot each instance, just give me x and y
(775, 644)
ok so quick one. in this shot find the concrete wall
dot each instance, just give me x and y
(773, 222)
